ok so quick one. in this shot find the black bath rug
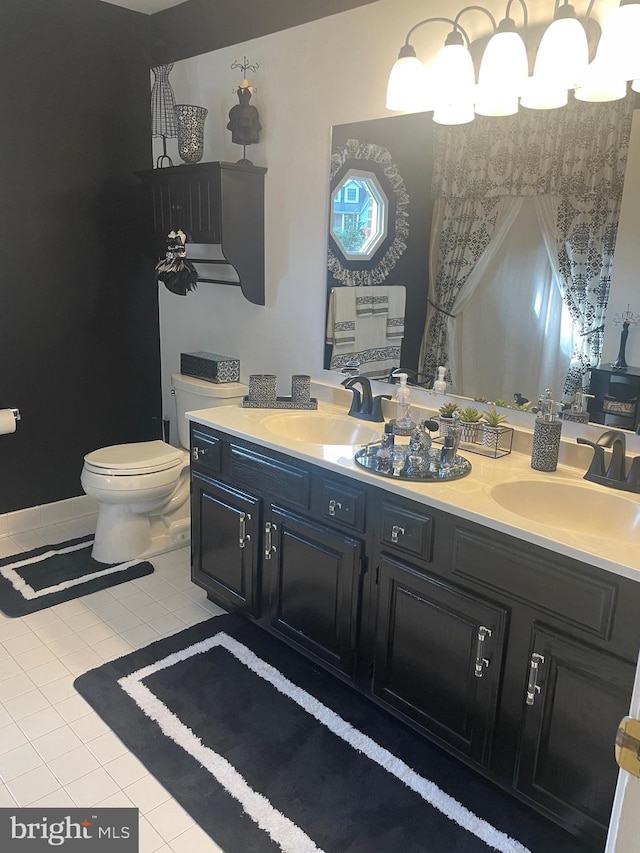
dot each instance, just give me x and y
(268, 752)
(51, 574)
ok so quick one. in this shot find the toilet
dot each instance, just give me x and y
(142, 488)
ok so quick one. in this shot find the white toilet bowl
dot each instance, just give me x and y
(142, 490)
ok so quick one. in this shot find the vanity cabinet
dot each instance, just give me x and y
(516, 659)
(438, 657)
(313, 581)
(225, 536)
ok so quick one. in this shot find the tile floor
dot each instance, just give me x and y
(54, 749)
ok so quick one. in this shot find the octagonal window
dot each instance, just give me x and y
(359, 213)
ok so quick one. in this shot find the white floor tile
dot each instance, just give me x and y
(113, 647)
(139, 637)
(16, 686)
(32, 786)
(169, 820)
(93, 788)
(147, 793)
(106, 747)
(59, 690)
(41, 723)
(150, 840)
(89, 727)
(57, 743)
(49, 672)
(194, 840)
(34, 658)
(81, 660)
(72, 765)
(18, 761)
(73, 708)
(23, 643)
(126, 769)
(11, 736)
(7, 800)
(26, 704)
(58, 799)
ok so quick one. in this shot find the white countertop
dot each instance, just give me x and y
(469, 498)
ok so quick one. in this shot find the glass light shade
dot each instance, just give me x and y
(407, 86)
(599, 85)
(541, 95)
(563, 54)
(459, 113)
(504, 63)
(453, 71)
(619, 47)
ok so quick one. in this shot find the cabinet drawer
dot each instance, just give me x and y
(406, 531)
(206, 451)
(281, 481)
(336, 501)
(561, 588)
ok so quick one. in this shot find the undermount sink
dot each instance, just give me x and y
(321, 428)
(589, 512)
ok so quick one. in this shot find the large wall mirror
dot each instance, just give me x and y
(516, 334)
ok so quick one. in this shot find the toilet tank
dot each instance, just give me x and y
(192, 394)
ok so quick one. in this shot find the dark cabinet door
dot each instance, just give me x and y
(438, 656)
(225, 544)
(574, 698)
(314, 578)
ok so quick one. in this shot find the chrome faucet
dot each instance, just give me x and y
(615, 475)
(364, 405)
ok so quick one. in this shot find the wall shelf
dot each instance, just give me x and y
(213, 203)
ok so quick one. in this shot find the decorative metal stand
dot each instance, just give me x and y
(190, 132)
(627, 318)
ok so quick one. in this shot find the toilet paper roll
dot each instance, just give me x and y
(7, 422)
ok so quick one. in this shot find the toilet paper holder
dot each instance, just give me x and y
(16, 414)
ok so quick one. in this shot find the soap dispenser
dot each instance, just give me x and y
(440, 386)
(578, 410)
(546, 435)
(403, 423)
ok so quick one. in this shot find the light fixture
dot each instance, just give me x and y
(561, 66)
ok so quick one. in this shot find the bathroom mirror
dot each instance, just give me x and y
(409, 139)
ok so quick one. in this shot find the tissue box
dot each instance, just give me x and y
(209, 366)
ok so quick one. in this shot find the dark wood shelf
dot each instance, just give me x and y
(213, 203)
(615, 389)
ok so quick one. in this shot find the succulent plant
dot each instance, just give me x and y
(448, 409)
(470, 415)
(493, 418)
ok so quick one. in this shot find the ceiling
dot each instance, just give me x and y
(146, 6)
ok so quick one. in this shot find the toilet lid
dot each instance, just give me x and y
(135, 458)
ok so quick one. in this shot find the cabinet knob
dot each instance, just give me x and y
(396, 531)
(244, 537)
(533, 688)
(481, 661)
(333, 506)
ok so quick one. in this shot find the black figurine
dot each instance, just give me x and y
(244, 120)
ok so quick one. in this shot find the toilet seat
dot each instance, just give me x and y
(136, 458)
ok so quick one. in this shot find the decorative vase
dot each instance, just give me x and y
(190, 132)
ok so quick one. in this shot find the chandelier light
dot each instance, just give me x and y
(561, 69)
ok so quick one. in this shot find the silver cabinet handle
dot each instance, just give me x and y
(333, 506)
(533, 688)
(197, 452)
(244, 536)
(396, 531)
(481, 661)
(269, 548)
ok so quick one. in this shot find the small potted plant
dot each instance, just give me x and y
(491, 421)
(448, 409)
(470, 419)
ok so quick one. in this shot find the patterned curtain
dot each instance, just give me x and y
(577, 155)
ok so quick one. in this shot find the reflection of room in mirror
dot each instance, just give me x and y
(514, 335)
